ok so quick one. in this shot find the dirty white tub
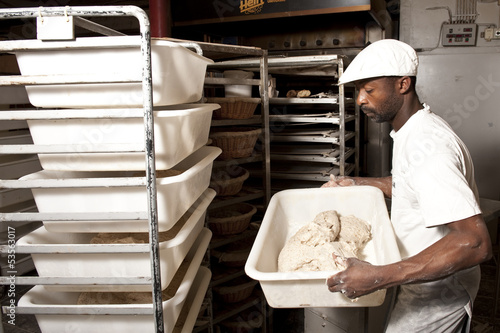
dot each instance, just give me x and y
(71, 260)
(287, 212)
(175, 194)
(58, 312)
(179, 131)
(178, 73)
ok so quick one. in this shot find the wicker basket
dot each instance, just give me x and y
(233, 219)
(228, 180)
(238, 290)
(233, 257)
(234, 107)
(235, 142)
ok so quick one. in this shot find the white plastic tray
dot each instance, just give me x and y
(174, 196)
(192, 305)
(70, 319)
(72, 261)
(289, 210)
(178, 73)
(179, 131)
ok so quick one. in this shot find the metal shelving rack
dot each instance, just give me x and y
(149, 181)
(316, 66)
(241, 57)
(234, 57)
(335, 117)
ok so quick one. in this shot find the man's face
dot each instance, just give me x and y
(379, 98)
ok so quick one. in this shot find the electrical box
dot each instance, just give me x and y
(457, 34)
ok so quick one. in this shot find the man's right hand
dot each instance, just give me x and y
(336, 181)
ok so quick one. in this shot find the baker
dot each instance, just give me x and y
(441, 234)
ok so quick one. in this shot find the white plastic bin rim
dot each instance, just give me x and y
(251, 264)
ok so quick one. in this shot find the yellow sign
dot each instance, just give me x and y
(251, 6)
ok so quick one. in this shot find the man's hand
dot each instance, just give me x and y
(466, 244)
(336, 181)
(383, 183)
(358, 279)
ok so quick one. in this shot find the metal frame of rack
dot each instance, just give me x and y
(321, 66)
(242, 56)
(146, 112)
(260, 61)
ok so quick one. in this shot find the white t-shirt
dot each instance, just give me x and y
(432, 185)
(432, 181)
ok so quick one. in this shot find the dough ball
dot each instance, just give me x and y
(297, 257)
(330, 221)
(354, 231)
(312, 246)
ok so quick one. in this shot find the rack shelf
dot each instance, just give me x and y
(259, 192)
(313, 130)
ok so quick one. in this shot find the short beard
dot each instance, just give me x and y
(386, 111)
(379, 117)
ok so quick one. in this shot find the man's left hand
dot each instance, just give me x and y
(358, 279)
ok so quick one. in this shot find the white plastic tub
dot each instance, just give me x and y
(64, 315)
(72, 261)
(189, 314)
(237, 90)
(289, 210)
(179, 131)
(174, 196)
(178, 73)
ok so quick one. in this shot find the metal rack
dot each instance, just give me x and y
(318, 66)
(148, 182)
(233, 57)
(287, 143)
(239, 58)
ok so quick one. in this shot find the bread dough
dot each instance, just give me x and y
(354, 233)
(96, 298)
(311, 248)
(140, 237)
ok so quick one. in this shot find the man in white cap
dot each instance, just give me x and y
(438, 224)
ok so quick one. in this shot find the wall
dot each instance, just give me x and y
(421, 26)
(461, 84)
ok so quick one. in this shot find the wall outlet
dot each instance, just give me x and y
(491, 33)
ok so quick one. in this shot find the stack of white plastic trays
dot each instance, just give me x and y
(183, 167)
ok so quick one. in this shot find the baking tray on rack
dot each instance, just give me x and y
(175, 194)
(177, 73)
(56, 312)
(178, 130)
(71, 257)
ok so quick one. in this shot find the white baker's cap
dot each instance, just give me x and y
(386, 57)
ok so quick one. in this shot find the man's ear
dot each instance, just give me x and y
(404, 84)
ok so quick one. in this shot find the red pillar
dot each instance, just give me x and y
(159, 17)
